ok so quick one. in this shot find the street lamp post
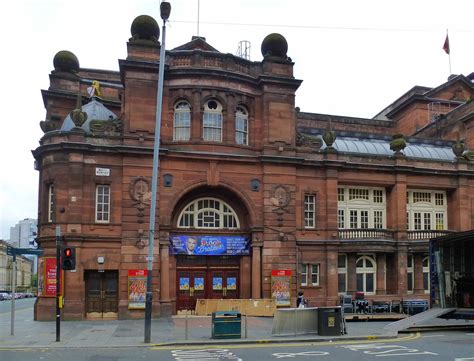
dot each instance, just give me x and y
(165, 9)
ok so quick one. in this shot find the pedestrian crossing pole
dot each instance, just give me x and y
(58, 271)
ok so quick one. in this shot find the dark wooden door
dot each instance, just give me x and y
(223, 284)
(191, 286)
(101, 293)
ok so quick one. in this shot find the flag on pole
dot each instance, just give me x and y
(446, 45)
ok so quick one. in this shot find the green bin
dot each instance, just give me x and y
(329, 321)
(226, 324)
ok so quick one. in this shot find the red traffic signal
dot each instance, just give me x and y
(68, 259)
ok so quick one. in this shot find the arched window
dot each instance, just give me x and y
(241, 126)
(208, 213)
(212, 121)
(426, 274)
(182, 121)
(365, 268)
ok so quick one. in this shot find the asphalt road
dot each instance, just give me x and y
(20, 304)
(441, 346)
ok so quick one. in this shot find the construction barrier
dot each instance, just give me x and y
(262, 307)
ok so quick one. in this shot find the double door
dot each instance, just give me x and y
(208, 283)
(101, 294)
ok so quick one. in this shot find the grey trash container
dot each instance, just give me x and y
(329, 321)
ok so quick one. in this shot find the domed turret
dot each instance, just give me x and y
(65, 61)
(146, 28)
(274, 45)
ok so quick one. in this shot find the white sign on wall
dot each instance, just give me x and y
(102, 172)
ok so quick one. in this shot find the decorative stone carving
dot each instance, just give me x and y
(398, 143)
(280, 199)
(303, 140)
(458, 149)
(106, 127)
(140, 192)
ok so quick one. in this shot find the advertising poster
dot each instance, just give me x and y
(184, 283)
(210, 245)
(199, 284)
(281, 287)
(217, 283)
(137, 289)
(49, 278)
(231, 283)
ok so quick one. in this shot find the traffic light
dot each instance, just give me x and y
(68, 260)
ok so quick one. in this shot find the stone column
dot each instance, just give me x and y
(381, 274)
(196, 116)
(351, 273)
(402, 270)
(331, 272)
(257, 268)
(418, 273)
(166, 309)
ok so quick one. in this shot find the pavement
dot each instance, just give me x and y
(169, 331)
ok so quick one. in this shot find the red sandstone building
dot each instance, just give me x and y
(343, 204)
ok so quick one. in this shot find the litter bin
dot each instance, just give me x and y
(329, 321)
(226, 324)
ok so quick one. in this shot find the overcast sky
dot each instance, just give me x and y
(354, 57)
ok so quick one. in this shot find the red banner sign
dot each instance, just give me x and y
(49, 287)
(281, 272)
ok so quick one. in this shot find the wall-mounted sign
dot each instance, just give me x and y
(281, 287)
(49, 278)
(137, 289)
(102, 172)
(210, 245)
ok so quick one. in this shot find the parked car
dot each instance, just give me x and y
(5, 296)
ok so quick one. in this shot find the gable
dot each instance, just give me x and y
(197, 43)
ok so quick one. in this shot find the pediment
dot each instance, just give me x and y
(196, 43)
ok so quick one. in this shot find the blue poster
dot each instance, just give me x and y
(210, 245)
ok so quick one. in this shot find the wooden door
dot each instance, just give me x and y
(101, 293)
(223, 284)
(191, 285)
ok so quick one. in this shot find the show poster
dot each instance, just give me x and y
(49, 278)
(210, 245)
(137, 289)
(281, 287)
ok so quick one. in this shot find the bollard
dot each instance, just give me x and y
(186, 325)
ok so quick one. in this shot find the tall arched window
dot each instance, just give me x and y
(241, 126)
(208, 213)
(365, 268)
(182, 121)
(212, 121)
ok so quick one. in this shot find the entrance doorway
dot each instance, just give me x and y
(101, 294)
(206, 278)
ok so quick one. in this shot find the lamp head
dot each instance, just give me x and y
(165, 10)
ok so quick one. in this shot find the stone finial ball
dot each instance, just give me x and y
(274, 45)
(66, 61)
(145, 27)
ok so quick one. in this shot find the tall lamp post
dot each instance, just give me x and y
(165, 9)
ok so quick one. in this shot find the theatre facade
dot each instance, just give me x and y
(256, 198)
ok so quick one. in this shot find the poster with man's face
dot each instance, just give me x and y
(210, 245)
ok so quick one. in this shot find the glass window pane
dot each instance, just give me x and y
(360, 282)
(369, 282)
(341, 282)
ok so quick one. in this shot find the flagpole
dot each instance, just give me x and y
(449, 55)
(447, 49)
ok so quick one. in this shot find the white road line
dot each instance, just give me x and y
(433, 336)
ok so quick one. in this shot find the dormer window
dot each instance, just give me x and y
(241, 126)
(212, 121)
(182, 121)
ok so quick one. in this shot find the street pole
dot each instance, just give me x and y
(12, 322)
(58, 270)
(165, 9)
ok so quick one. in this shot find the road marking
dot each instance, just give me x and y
(382, 350)
(411, 336)
(433, 336)
(204, 354)
(307, 353)
(464, 359)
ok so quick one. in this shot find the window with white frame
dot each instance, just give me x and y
(364, 207)
(309, 274)
(410, 273)
(102, 203)
(309, 211)
(210, 213)
(241, 126)
(365, 274)
(426, 210)
(51, 203)
(426, 274)
(212, 121)
(182, 121)
(342, 273)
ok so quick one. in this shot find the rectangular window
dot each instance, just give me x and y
(340, 219)
(182, 125)
(353, 219)
(341, 273)
(378, 219)
(304, 274)
(315, 274)
(427, 220)
(378, 196)
(51, 203)
(102, 204)
(364, 219)
(340, 194)
(439, 221)
(410, 278)
(212, 127)
(241, 129)
(417, 221)
(358, 193)
(309, 210)
(421, 197)
(439, 199)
